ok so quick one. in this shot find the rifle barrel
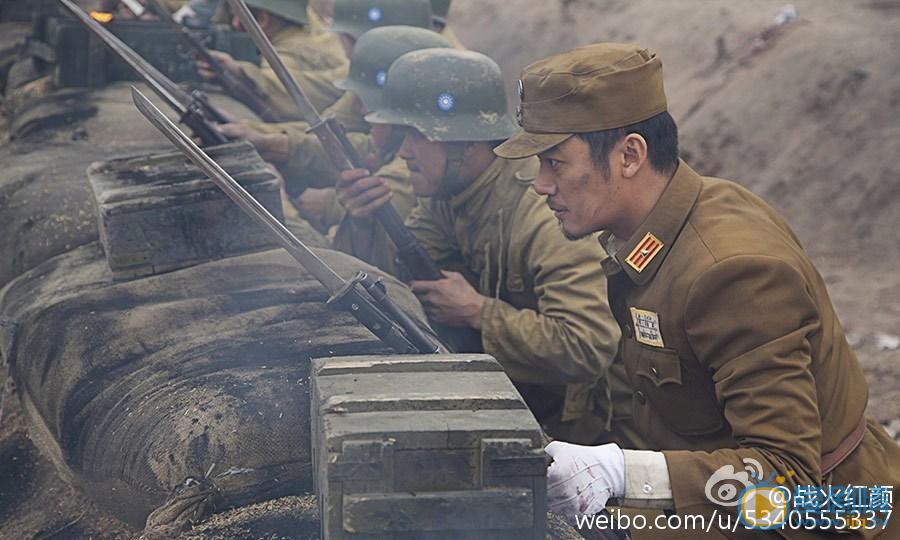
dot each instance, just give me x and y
(194, 111)
(403, 339)
(236, 86)
(344, 156)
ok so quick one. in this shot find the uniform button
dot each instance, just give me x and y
(647, 488)
(628, 331)
(654, 372)
(640, 397)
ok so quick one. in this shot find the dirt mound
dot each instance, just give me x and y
(799, 103)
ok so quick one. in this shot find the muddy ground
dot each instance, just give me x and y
(801, 105)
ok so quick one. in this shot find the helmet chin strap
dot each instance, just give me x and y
(451, 184)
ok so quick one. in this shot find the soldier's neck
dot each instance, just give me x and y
(640, 195)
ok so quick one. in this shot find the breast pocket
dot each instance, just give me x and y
(684, 400)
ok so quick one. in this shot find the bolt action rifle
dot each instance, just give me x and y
(238, 87)
(363, 297)
(194, 109)
(342, 153)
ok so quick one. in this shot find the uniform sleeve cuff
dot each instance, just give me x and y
(646, 480)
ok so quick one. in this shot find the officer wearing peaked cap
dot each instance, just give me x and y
(538, 302)
(731, 350)
(314, 58)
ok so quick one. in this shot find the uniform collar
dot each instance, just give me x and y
(664, 224)
(484, 182)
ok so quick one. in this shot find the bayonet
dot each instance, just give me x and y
(363, 297)
(343, 155)
(194, 109)
(238, 87)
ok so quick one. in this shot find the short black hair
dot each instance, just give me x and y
(659, 131)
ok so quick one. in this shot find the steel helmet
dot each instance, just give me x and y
(374, 53)
(291, 10)
(449, 95)
(356, 17)
(439, 9)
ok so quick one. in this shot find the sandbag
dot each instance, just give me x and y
(46, 205)
(201, 374)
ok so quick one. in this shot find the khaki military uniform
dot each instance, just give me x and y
(733, 351)
(174, 5)
(314, 58)
(547, 321)
(308, 165)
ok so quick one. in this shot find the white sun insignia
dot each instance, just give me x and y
(375, 14)
(380, 77)
(445, 102)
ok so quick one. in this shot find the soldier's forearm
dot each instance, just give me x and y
(525, 341)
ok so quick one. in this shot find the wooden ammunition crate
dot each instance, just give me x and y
(159, 212)
(78, 59)
(425, 447)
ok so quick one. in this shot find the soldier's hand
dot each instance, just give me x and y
(229, 64)
(361, 194)
(313, 204)
(272, 147)
(451, 300)
(582, 479)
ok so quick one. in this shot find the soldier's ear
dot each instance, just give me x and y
(633, 154)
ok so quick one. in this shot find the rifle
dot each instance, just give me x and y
(135, 7)
(194, 109)
(236, 86)
(334, 140)
(363, 297)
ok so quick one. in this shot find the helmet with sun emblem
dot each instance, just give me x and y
(449, 95)
(374, 53)
(356, 17)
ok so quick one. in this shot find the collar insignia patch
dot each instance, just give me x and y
(644, 252)
(646, 327)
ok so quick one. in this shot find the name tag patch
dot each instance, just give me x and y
(646, 327)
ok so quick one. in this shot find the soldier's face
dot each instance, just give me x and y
(581, 197)
(426, 161)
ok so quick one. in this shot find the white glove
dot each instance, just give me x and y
(582, 478)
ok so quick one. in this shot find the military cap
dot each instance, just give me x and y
(356, 17)
(374, 53)
(594, 88)
(448, 95)
(291, 10)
